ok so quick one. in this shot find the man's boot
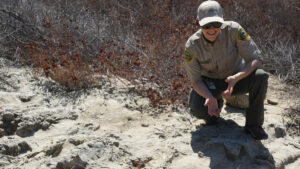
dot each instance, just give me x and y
(257, 132)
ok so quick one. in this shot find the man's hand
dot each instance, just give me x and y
(231, 80)
(246, 71)
(212, 106)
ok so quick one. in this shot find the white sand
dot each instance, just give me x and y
(114, 128)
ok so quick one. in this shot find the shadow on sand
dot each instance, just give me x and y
(229, 147)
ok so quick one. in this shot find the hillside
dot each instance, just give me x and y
(113, 127)
(101, 84)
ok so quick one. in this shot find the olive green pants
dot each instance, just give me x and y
(255, 84)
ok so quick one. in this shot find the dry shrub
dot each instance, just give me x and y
(293, 122)
(67, 69)
(142, 45)
(274, 25)
(62, 54)
(156, 37)
(141, 41)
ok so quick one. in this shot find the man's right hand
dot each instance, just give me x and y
(212, 106)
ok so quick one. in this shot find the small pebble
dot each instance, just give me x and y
(145, 125)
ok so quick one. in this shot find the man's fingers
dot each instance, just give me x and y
(211, 113)
(227, 79)
(226, 93)
(206, 102)
(216, 112)
(212, 108)
(230, 90)
(223, 94)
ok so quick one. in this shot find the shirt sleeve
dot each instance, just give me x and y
(191, 64)
(247, 48)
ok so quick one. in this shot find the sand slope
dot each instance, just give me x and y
(43, 127)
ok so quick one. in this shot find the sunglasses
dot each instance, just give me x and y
(213, 24)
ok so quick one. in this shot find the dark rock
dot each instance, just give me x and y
(88, 124)
(145, 125)
(15, 149)
(33, 154)
(73, 116)
(27, 125)
(7, 117)
(75, 163)
(55, 150)
(10, 128)
(24, 147)
(9, 123)
(116, 144)
(26, 98)
(75, 142)
(272, 102)
(279, 131)
(28, 128)
(200, 154)
(232, 150)
(45, 125)
(139, 163)
(271, 125)
(96, 128)
(162, 136)
(2, 133)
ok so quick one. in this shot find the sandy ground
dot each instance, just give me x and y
(112, 127)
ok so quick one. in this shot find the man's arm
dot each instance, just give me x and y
(193, 69)
(210, 101)
(248, 50)
(246, 71)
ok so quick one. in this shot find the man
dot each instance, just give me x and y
(221, 59)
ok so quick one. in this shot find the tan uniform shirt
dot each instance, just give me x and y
(225, 57)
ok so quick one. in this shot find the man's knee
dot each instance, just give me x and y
(198, 109)
(261, 76)
(198, 114)
(196, 104)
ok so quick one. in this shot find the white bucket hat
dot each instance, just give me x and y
(209, 11)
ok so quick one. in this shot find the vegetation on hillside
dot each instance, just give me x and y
(73, 42)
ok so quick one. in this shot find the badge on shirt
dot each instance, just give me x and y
(243, 35)
(187, 56)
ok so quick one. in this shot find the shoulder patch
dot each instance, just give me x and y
(187, 56)
(243, 35)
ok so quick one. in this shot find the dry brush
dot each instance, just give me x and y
(141, 41)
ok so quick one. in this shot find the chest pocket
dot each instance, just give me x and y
(207, 64)
(231, 49)
(228, 60)
(206, 61)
